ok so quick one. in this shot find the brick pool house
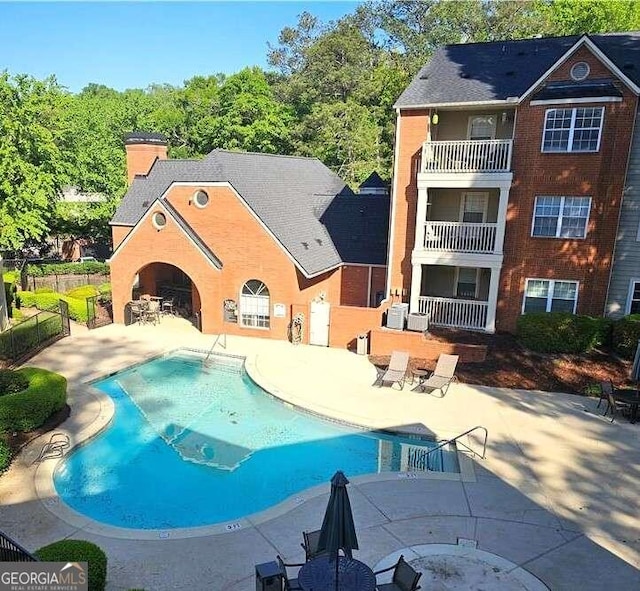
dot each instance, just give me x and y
(243, 242)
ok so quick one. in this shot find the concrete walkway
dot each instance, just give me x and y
(557, 494)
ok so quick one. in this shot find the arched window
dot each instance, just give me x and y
(254, 304)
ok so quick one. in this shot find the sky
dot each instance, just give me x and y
(132, 45)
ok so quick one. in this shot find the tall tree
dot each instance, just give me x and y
(571, 17)
(30, 159)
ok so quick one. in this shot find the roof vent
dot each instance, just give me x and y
(510, 73)
(145, 204)
(464, 75)
(628, 66)
(522, 53)
(424, 76)
(306, 245)
(319, 242)
(579, 71)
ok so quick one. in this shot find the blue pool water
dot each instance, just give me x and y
(196, 444)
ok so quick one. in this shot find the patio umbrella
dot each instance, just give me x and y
(635, 369)
(338, 531)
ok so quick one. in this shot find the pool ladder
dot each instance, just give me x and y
(426, 459)
(223, 344)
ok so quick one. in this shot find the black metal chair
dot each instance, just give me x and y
(289, 584)
(405, 578)
(310, 544)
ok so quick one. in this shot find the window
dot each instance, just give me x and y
(159, 220)
(633, 305)
(561, 217)
(548, 295)
(579, 71)
(474, 207)
(572, 130)
(201, 199)
(467, 283)
(482, 127)
(254, 304)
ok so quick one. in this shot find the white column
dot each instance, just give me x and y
(416, 285)
(421, 218)
(502, 219)
(493, 300)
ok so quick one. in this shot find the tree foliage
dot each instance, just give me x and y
(329, 94)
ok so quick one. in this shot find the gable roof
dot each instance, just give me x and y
(504, 70)
(287, 194)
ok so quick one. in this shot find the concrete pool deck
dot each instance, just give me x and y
(557, 494)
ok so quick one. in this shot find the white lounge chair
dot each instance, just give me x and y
(396, 372)
(442, 375)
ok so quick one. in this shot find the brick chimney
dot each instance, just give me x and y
(143, 149)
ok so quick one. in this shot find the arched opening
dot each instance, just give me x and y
(172, 288)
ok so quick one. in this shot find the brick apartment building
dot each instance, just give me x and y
(243, 242)
(509, 182)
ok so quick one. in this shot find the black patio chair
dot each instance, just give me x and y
(289, 584)
(310, 544)
(405, 578)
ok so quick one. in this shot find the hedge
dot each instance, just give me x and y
(79, 551)
(29, 334)
(626, 333)
(560, 332)
(50, 301)
(12, 382)
(83, 292)
(89, 268)
(27, 410)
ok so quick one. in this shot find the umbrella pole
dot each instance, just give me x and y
(337, 559)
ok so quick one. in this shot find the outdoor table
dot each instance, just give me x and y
(630, 396)
(319, 574)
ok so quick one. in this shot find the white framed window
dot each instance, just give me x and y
(580, 71)
(254, 304)
(481, 127)
(467, 282)
(473, 207)
(561, 217)
(159, 220)
(550, 295)
(572, 130)
(633, 298)
(200, 199)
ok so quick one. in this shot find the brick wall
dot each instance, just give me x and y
(598, 175)
(412, 134)
(347, 322)
(383, 341)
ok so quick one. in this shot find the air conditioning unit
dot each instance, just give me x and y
(418, 322)
(397, 315)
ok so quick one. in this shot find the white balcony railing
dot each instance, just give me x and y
(467, 156)
(470, 314)
(459, 237)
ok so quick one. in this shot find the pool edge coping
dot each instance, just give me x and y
(53, 503)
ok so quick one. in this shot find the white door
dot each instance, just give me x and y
(319, 324)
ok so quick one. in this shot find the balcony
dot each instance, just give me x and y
(467, 156)
(460, 237)
(454, 313)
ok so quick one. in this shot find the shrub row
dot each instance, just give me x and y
(12, 382)
(29, 334)
(626, 333)
(560, 332)
(49, 300)
(28, 409)
(89, 268)
(79, 551)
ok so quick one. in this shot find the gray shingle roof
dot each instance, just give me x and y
(288, 194)
(495, 71)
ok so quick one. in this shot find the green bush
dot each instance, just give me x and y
(83, 292)
(12, 382)
(104, 288)
(626, 333)
(89, 268)
(12, 277)
(27, 410)
(560, 332)
(5, 455)
(29, 334)
(51, 301)
(44, 290)
(79, 551)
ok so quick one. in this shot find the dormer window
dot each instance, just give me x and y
(572, 130)
(579, 71)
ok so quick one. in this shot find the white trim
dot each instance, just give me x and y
(369, 286)
(392, 217)
(575, 101)
(466, 180)
(572, 130)
(632, 282)
(552, 283)
(228, 185)
(239, 306)
(142, 220)
(194, 199)
(560, 217)
(573, 75)
(154, 220)
(346, 264)
(482, 116)
(584, 40)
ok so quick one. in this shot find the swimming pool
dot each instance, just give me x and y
(197, 443)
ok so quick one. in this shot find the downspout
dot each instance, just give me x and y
(392, 217)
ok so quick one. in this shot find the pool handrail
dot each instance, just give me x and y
(456, 440)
